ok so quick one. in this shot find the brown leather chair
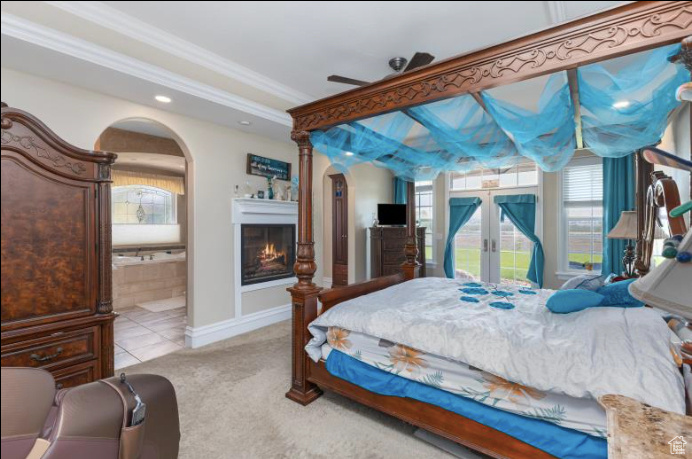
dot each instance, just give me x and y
(88, 421)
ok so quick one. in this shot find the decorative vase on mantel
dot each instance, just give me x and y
(270, 188)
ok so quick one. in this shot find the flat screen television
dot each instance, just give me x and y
(391, 214)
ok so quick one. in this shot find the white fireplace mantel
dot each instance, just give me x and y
(247, 211)
(258, 211)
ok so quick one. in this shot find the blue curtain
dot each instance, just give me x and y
(400, 186)
(460, 211)
(521, 211)
(618, 195)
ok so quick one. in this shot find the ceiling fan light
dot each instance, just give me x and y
(398, 63)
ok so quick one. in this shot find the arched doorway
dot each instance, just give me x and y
(152, 231)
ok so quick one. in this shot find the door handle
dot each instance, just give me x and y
(494, 246)
(485, 245)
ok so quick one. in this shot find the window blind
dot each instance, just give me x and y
(582, 185)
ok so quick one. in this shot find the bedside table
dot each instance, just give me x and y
(639, 431)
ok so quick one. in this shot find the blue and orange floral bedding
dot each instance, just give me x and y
(581, 414)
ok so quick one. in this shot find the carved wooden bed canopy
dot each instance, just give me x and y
(627, 29)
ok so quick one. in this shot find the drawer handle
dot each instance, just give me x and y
(46, 358)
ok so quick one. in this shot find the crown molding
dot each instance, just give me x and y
(21, 29)
(113, 19)
(556, 12)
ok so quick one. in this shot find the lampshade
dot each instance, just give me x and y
(669, 285)
(684, 92)
(626, 227)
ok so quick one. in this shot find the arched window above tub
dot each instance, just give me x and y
(143, 205)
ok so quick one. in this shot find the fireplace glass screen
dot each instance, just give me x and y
(268, 252)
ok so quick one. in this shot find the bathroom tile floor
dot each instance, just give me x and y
(142, 335)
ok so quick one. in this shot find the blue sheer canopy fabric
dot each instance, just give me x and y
(521, 211)
(460, 212)
(628, 109)
(546, 136)
(624, 106)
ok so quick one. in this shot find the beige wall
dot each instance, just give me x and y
(217, 163)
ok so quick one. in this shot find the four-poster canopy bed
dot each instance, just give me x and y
(628, 29)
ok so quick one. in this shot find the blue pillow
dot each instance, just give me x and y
(566, 301)
(618, 294)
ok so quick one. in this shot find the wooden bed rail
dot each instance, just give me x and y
(332, 297)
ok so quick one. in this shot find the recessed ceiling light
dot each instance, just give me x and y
(163, 99)
(349, 153)
(621, 104)
(244, 123)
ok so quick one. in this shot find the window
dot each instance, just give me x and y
(522, 174)
(516, 251)
(143, 205)
(144, 215)
(424, 214)
(581, 221)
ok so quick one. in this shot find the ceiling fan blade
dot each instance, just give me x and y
(341, 79)
(419, 60)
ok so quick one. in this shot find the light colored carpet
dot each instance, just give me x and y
(164, 305)
(232, 405)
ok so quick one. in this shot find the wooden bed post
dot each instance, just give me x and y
(410, 266)
(304, 292)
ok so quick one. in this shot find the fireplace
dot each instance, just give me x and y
(267, 252)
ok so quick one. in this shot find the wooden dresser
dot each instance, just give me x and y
(56, 253)
(387, 250)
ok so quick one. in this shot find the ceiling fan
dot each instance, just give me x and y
(398, 64)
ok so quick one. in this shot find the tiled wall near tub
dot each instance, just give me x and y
(139, 283)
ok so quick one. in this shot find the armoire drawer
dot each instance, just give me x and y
(77, 375)
(53, 350)
(390, 257)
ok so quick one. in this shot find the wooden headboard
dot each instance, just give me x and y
(657, 195)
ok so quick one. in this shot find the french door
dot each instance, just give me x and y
(489, 249)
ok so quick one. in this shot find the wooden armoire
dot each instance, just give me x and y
(56, 253)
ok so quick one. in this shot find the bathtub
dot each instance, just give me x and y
(158, 257)
(159, 276)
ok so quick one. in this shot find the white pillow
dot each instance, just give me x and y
(584, 281)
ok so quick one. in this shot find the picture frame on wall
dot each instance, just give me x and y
(267, 167)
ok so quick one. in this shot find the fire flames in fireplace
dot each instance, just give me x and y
(267, 252)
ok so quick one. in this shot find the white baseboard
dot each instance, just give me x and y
(201, 336)
(327, 282)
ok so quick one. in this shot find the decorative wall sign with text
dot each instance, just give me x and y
(267, 167)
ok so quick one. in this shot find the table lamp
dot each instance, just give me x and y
(626, 228)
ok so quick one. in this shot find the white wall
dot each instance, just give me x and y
(217, 156)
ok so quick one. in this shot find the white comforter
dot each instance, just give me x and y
(587, 354)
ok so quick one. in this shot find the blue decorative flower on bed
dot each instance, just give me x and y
(502, 293)
(501, 305)
(473, 284)
(474, 291)
(469, 299)
(527, 291)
